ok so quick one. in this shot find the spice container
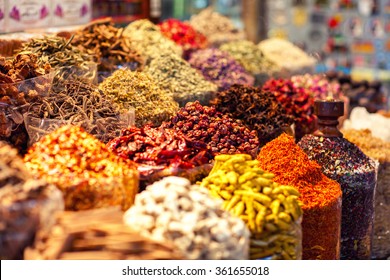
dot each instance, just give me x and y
(297, 102)
(184, 35)
(216, 27)
(257, 109)
(220, 68)
(26, 205)
(88, 175)
(320, 196)
(97, 234)
(220, 133)
(152, 103)
(161, 152)
(379, 150)
(18, 89)
(77, 103)
(347, 164)
(176, 75)
(173, 210)
(148, 40)
(271, 211)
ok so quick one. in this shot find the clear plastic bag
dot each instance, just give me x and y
(23, 211)
(86, 72)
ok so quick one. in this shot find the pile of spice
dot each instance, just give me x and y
(147, 39)
(320, 196)
(288, 58)
(258, 109)
(68, 61)
(371, 95)
(22, 80)
(136, 89)
(97, 234)
(222, 134)
(86, 172)
(78, 103)
(220, 68)
(380, 151)
(216, 27)
(271, 211)
(248, 55)
(26, 205)
(378, 124)
(345, 163)
(173, 210)
(183, 34)
(297, 102)
(176, 75)
(162, 152)
(106, 43)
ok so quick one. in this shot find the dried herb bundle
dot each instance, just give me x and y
(258, 109)
(79, 104)
(69, 61)
(152, 104)
(176, 75)
(22, 80)
(106, 43)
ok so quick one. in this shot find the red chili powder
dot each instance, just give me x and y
(320, 196)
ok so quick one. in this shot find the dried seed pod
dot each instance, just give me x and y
(249, 193)
(190, 218)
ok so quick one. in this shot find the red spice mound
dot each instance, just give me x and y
(292, 166)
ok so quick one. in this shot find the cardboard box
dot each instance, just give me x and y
(2, 16)
(71, 12)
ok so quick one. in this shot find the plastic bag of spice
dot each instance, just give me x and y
(380, 151)
(345, 163)
(86, 172)
(271, 211)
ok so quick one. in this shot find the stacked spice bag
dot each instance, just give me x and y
(345, 163)
(26, 205)
(81, 166)
(380, 151)
(271, 211)
(320, 196)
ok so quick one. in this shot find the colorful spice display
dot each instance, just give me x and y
(26, 205)
(21, 81)
(379, 150)
(106, 43)
(183, 34)
(81, 104)
(147, 39)
(348, 165)
(216, 27)
(220, 68)
(297, 102)
(378, 124)
(222, 134)
(258, 109)
(86, 172)
(162, 152)
(320, 196)
(174, 210)
(287, 58)
(176, 75)
(271, 211)
(152, 104)
(97, 234)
